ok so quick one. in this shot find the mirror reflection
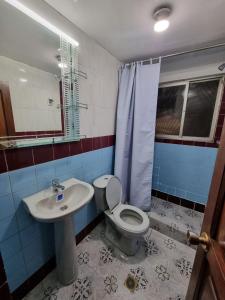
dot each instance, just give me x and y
(31, 96)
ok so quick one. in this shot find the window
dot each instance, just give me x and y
(188, 110)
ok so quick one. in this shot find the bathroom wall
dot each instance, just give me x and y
(4, 288)
(26, 245)
(184, 171)
(183, 168)
(31, 110)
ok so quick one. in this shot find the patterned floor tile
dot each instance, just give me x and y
(160, 270)
(174, 220)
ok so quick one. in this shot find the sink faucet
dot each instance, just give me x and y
(56, 185)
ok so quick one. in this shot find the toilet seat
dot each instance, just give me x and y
(124, 211)
(129, 218)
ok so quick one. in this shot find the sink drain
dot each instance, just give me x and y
(64, 207)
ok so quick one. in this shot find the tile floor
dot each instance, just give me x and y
(161, 270)
(174, 220)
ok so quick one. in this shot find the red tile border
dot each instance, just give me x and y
(43, 154)
(3, 166)
(12, 159)
(19, 158)
(104, 141)
(4, 292)
(2, 272)
(75, 148)
(61, 150)
(112, 140)
(96, 143)
(87, 144)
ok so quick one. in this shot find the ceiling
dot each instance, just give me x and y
(125, 27)
(27, 41)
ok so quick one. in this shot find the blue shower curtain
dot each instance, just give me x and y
(135, 131)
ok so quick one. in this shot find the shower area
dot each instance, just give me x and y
(189, 120)
(176, 150)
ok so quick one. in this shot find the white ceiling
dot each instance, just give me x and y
(24, 40)
(125, 27)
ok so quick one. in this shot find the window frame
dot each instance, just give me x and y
(215, 113)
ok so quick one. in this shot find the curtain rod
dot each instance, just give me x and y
(177, 53)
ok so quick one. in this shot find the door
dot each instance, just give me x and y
(7, 127)
(208, 276)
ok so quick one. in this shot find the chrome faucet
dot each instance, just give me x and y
(57, 186)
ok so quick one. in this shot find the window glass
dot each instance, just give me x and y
(200, 108)
(169, 110)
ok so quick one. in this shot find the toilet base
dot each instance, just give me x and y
(127, 245)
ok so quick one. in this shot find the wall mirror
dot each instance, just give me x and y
(39, 87)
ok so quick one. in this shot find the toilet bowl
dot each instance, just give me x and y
(125, 224)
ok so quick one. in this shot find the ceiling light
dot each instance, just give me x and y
(27, 11)
(161, 25)
(23, 79)
(161, 15)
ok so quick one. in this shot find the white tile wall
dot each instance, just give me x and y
(30, 99)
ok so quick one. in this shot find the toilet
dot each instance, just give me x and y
(125, 224)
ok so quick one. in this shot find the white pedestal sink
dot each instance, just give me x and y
(44, 208)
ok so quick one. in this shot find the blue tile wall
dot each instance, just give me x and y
(24, 243)
(183, 171)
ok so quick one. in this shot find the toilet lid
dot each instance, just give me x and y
(113, 192)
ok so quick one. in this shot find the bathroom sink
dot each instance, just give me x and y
(57, 205)
(44, 207)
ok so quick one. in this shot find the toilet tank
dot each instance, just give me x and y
(100, 187)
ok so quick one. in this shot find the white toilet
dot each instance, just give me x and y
(125, 224)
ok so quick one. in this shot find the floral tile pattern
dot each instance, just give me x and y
(111, 284)
(170, 244)
(139, 275)
(160, 269)
(81, 289)
(106, 255)
(162, 273)
(150, 246)
(184, 266)
(174, 220)
(50, 293)
(83, 258)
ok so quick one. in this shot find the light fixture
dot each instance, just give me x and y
(30, 13)
(23, 79)
(161, 15)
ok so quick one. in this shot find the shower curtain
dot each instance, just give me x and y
(135, 131)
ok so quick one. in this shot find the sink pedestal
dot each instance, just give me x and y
(65, 250)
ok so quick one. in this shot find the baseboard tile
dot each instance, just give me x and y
(180, 201)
